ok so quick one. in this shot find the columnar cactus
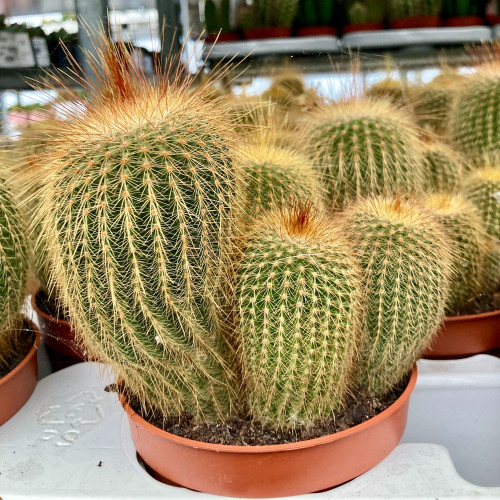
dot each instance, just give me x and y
(273, 175)
(13, 271)
(474, 124)
(461, 221)
(366, 148)
(406, 260)
(138, 200)
(444, 167)
(300, 307)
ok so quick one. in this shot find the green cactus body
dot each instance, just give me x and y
(444, 167)
(325, 10)
(463, 225)
(400, 9)
(474, 123)
(274, 175)
(225, 16)
(212, 22)
(308, 14)
(357, 13)
(13, 273)
(491, 282)
(365, 11)
(280, 13)
(406, 259)
(300, 308)
(364, 148)
(480, 187)
(139, 205)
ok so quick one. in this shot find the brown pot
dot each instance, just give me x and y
(57, 334)
(349, 28)
(416, 22)
(274, 32)
(232, 36)
(463, 21)
(275, 470)
(466, 335)
(18, 385)
(317, 31)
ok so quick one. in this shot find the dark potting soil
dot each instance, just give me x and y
(245, 432)
(483, 303)
(50, 306)
(25, 347)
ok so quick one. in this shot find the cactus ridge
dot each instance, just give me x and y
(407, 266)
(444, 167)
(366, 148)
(299, 296)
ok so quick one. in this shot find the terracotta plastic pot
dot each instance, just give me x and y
(18, 385)
(259, 33)
(317, 31)
(233, 36)
(57, 334)
(493, 19)
(275, 470)
(466, 335)
(349, 28)
(464, 21)
(416, 22)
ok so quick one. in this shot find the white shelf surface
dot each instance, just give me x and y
(71, 440)
(416, 36)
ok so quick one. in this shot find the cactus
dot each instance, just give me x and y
(365, 11)
(474, 115)
(139, 204)
(444, 167)
(13, 273)
(273, 175)
(463, 224)
(390, 90)
(326, 11)
(225, 16)
(212, 23)
(480, 187)
(364, 148)
(300, 307)
(406, 260)
(400, 9)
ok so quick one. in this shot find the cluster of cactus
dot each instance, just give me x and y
(366, 148)
(316, 12)
(407, 265)
(444, 167)
(473, 126)
(13, 275)
(365, 11)
(217, 16)
(300, 308)
(400, 9)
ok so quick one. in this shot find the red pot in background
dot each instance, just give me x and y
(349, 28)
(272, 32)
(463, 21)
(18, 385)
(416, 22)
(317, 31)
(233, 36)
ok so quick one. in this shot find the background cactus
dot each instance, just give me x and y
(388, 89)
(406, 260)
(217, 16)
(138, 200)
(364, 148)
(400, 9)
(316, 12)
(444, 167)
(474, 125)
(300, 303)
(463, 225)
(365, 11)
(13, 274)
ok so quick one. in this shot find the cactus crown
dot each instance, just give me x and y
(366, 148)
(405, 257)
(138, 200)
(300, 309)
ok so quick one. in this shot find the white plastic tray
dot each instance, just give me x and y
(71, 440)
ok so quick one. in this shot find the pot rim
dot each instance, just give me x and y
(43, 314)
(29, 355)
(469, 317)
(274, 448)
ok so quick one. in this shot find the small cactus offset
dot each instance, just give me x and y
(406, 260)
(13, 274)
(444, 167)
(138, 202)
(461, 221)
(366, 148)
(474, 124)
(300, 306)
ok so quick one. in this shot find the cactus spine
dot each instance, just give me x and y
(406, 260)
(139, 202)
(463, 225)
(444, 167)
(299, 298)
(366, 148)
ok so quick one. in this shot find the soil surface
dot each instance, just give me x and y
(481, 304)
(50, 306)
(245, 432)
(25, 348)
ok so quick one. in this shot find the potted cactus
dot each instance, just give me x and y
(364, 15)
(218, 22)
(317, 17)
(19, 337)
(415, 13)
(462, 13)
